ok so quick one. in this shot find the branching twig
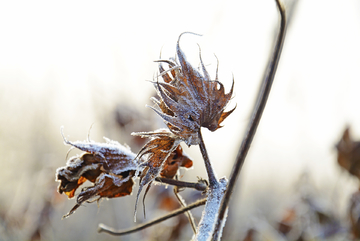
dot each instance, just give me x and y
(200, 185)
(106, 229)
(255, 118)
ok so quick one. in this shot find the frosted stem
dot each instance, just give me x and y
(206, 228)
(200, 185)
(256, 116)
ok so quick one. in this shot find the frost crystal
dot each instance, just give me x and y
(210, 213)
(109, 166)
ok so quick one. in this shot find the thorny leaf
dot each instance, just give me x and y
(189, 100)
(349, 154)
(110, 166)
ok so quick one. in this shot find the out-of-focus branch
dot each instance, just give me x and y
(254, 121)
(109, 230)
(188, 213)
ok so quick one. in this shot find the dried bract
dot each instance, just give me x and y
(110, 166)
(189, 100)
(163, 156)
(176, 160)
(161, 146)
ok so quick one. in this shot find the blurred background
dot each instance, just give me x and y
(82, 64)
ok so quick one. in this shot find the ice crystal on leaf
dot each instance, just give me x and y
(189, 100)
(160, 147)
(109, 166)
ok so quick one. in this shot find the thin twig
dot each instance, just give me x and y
(200, 185)
(109, 230)
(210, 171)
(183, 204)
(255, 118)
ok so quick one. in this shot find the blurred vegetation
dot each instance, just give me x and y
(305, 193)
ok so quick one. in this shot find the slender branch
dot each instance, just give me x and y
(255, 118)
(210, 171)
(200, 185)
(188, 213)
(109, 230)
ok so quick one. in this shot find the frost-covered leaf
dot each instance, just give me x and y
(161, 146)
(110, 166)
(189, 100)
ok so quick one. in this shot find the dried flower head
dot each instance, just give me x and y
(109, 166)
(189, 100)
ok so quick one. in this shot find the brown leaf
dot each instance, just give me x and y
(177, 159)
(110, 166)
(160, 147)
(190, 100)
(349, 154)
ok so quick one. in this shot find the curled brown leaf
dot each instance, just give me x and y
(176, 160)
(109, 166)
(161, 145)
(163, 156)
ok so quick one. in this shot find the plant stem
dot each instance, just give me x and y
(200, 185)
(109, 230)
(188, 213)
(210, 171)
(255, 118)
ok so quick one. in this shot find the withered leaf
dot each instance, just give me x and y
(177, 159)
(109, 166)
(189, 100)
(349, 154)
(106, 185)
(160, 147)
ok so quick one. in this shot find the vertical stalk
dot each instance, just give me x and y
(213, 182)
(255, 119)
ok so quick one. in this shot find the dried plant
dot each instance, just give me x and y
(349, 154)
(348, 158)
(187, 100)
